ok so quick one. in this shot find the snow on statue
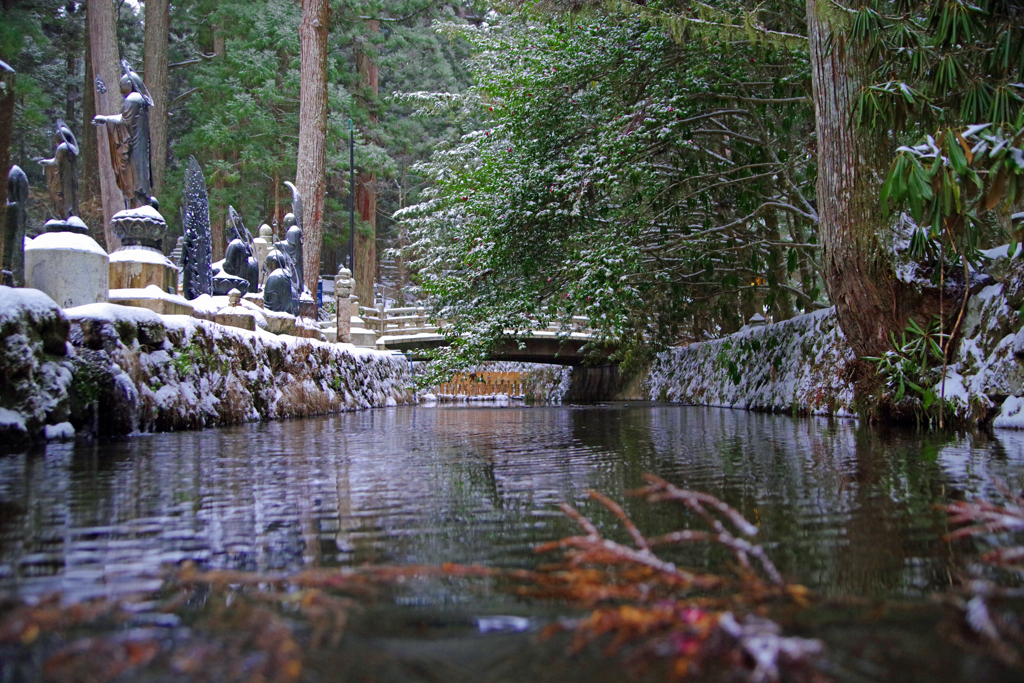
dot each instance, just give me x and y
(128, 135)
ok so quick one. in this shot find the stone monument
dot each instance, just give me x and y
(62, 179)
(240, 269)
(197, 252)
(65, 262)
(234, 314)
(15, 223)
(263, 244)
(140, 261)
(128, 136)
(342, 292)
(279, 284)
(303, 303)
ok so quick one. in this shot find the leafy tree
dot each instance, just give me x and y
(310, 175)
(896, 70)
(653, 177)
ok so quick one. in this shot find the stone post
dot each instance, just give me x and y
(342, 292)
(263, 244)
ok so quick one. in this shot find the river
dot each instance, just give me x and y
(844, 508)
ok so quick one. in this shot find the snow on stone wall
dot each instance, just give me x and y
(35, 371)
(544, 382)
(128, 369)
(986, 380)
(792, 366)
(798, 365)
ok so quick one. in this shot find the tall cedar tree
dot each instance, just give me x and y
(155, 65)
(310, 173)
(107, 71)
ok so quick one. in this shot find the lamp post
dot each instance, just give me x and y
(351, 197)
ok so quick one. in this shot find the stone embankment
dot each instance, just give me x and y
(793, 366)
(106, 370)
(800, 365)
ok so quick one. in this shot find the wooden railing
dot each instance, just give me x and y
(414, 320)
(396, 321)
(512, 384)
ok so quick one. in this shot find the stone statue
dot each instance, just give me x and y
(278, 288)
(14, 228)
(293, 235)
(62, 173)
(241, 270)
(251, 270)
(197, 253)
(128, 135)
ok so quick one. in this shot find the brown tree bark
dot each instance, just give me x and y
(90, 201)
(105, 66)
(365, 273)
(365, 268)
(154, 57)
(857, 239)
(218, 213)
(7, 78)
(310, 172)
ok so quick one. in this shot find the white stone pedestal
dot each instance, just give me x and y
(70, 268)
(138, 267)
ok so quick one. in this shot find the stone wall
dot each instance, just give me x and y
(109, 370)
(800, 365)
(793, 366)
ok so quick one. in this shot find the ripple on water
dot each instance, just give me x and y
(846, 509)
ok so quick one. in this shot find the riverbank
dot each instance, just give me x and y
(105, 370)
(805, 365)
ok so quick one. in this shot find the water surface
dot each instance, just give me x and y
(843, 508)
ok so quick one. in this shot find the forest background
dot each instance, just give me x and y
(665, 168)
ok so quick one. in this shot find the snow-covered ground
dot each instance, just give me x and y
(798, 365)
(113, 370)
(792, 366)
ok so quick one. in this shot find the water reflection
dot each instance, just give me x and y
(844, 508)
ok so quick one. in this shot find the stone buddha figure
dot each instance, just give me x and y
(62, 173)
(128, 135)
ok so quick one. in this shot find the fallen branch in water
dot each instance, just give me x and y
(981, 597)
(660, 490)
(228, 625)
(690, 633)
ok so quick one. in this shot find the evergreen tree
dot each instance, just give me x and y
(651, 173)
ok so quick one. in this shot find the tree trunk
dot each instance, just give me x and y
(366, 237)
(155, 63)
(857, 240)
(6, 130)
(366, 185)
(310, 171)
(7, 78)
(90, 202)
(218, 240)
(782, 307)
(105, 66)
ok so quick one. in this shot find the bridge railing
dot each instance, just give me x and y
(398, 320)
(415, 319)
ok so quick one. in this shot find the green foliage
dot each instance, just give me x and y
(238, 114)
(41, 40)
(943, 69)
(650, 180)
(950, 181)
(913, 362)
(942, 63)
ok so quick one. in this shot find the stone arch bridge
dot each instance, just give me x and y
(407, 330)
